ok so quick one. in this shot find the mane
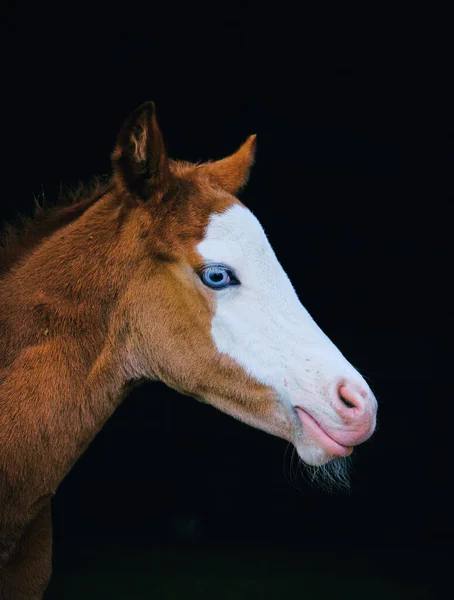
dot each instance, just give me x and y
(17, 240)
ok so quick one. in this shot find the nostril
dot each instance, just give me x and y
(344, 399)
(351, 395)
(356, 406)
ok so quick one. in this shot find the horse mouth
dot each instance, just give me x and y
(315, 432)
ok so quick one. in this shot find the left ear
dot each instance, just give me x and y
(232, 173)
(139, 160)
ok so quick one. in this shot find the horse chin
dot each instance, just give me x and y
(312, 455)
(324, 470)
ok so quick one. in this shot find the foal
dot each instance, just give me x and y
(161, 274)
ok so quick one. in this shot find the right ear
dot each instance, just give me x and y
(139, 159)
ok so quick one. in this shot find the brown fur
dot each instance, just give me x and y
(99, 296)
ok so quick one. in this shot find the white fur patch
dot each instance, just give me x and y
(262, 325)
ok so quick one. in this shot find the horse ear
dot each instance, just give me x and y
(139, 159)
(232, 173)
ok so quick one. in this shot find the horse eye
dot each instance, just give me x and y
(218, 277)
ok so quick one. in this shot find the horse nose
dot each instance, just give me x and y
(356, 405)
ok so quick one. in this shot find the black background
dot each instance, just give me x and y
(355, 148)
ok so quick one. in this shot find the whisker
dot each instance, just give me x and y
(332, 476)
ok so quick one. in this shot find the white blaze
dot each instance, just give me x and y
(262, 325)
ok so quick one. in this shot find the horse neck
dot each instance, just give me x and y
(63, 371)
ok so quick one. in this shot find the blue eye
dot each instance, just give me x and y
(218, 277)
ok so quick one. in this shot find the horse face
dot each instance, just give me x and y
(218, 317)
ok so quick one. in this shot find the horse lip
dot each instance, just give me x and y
(318, 434)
